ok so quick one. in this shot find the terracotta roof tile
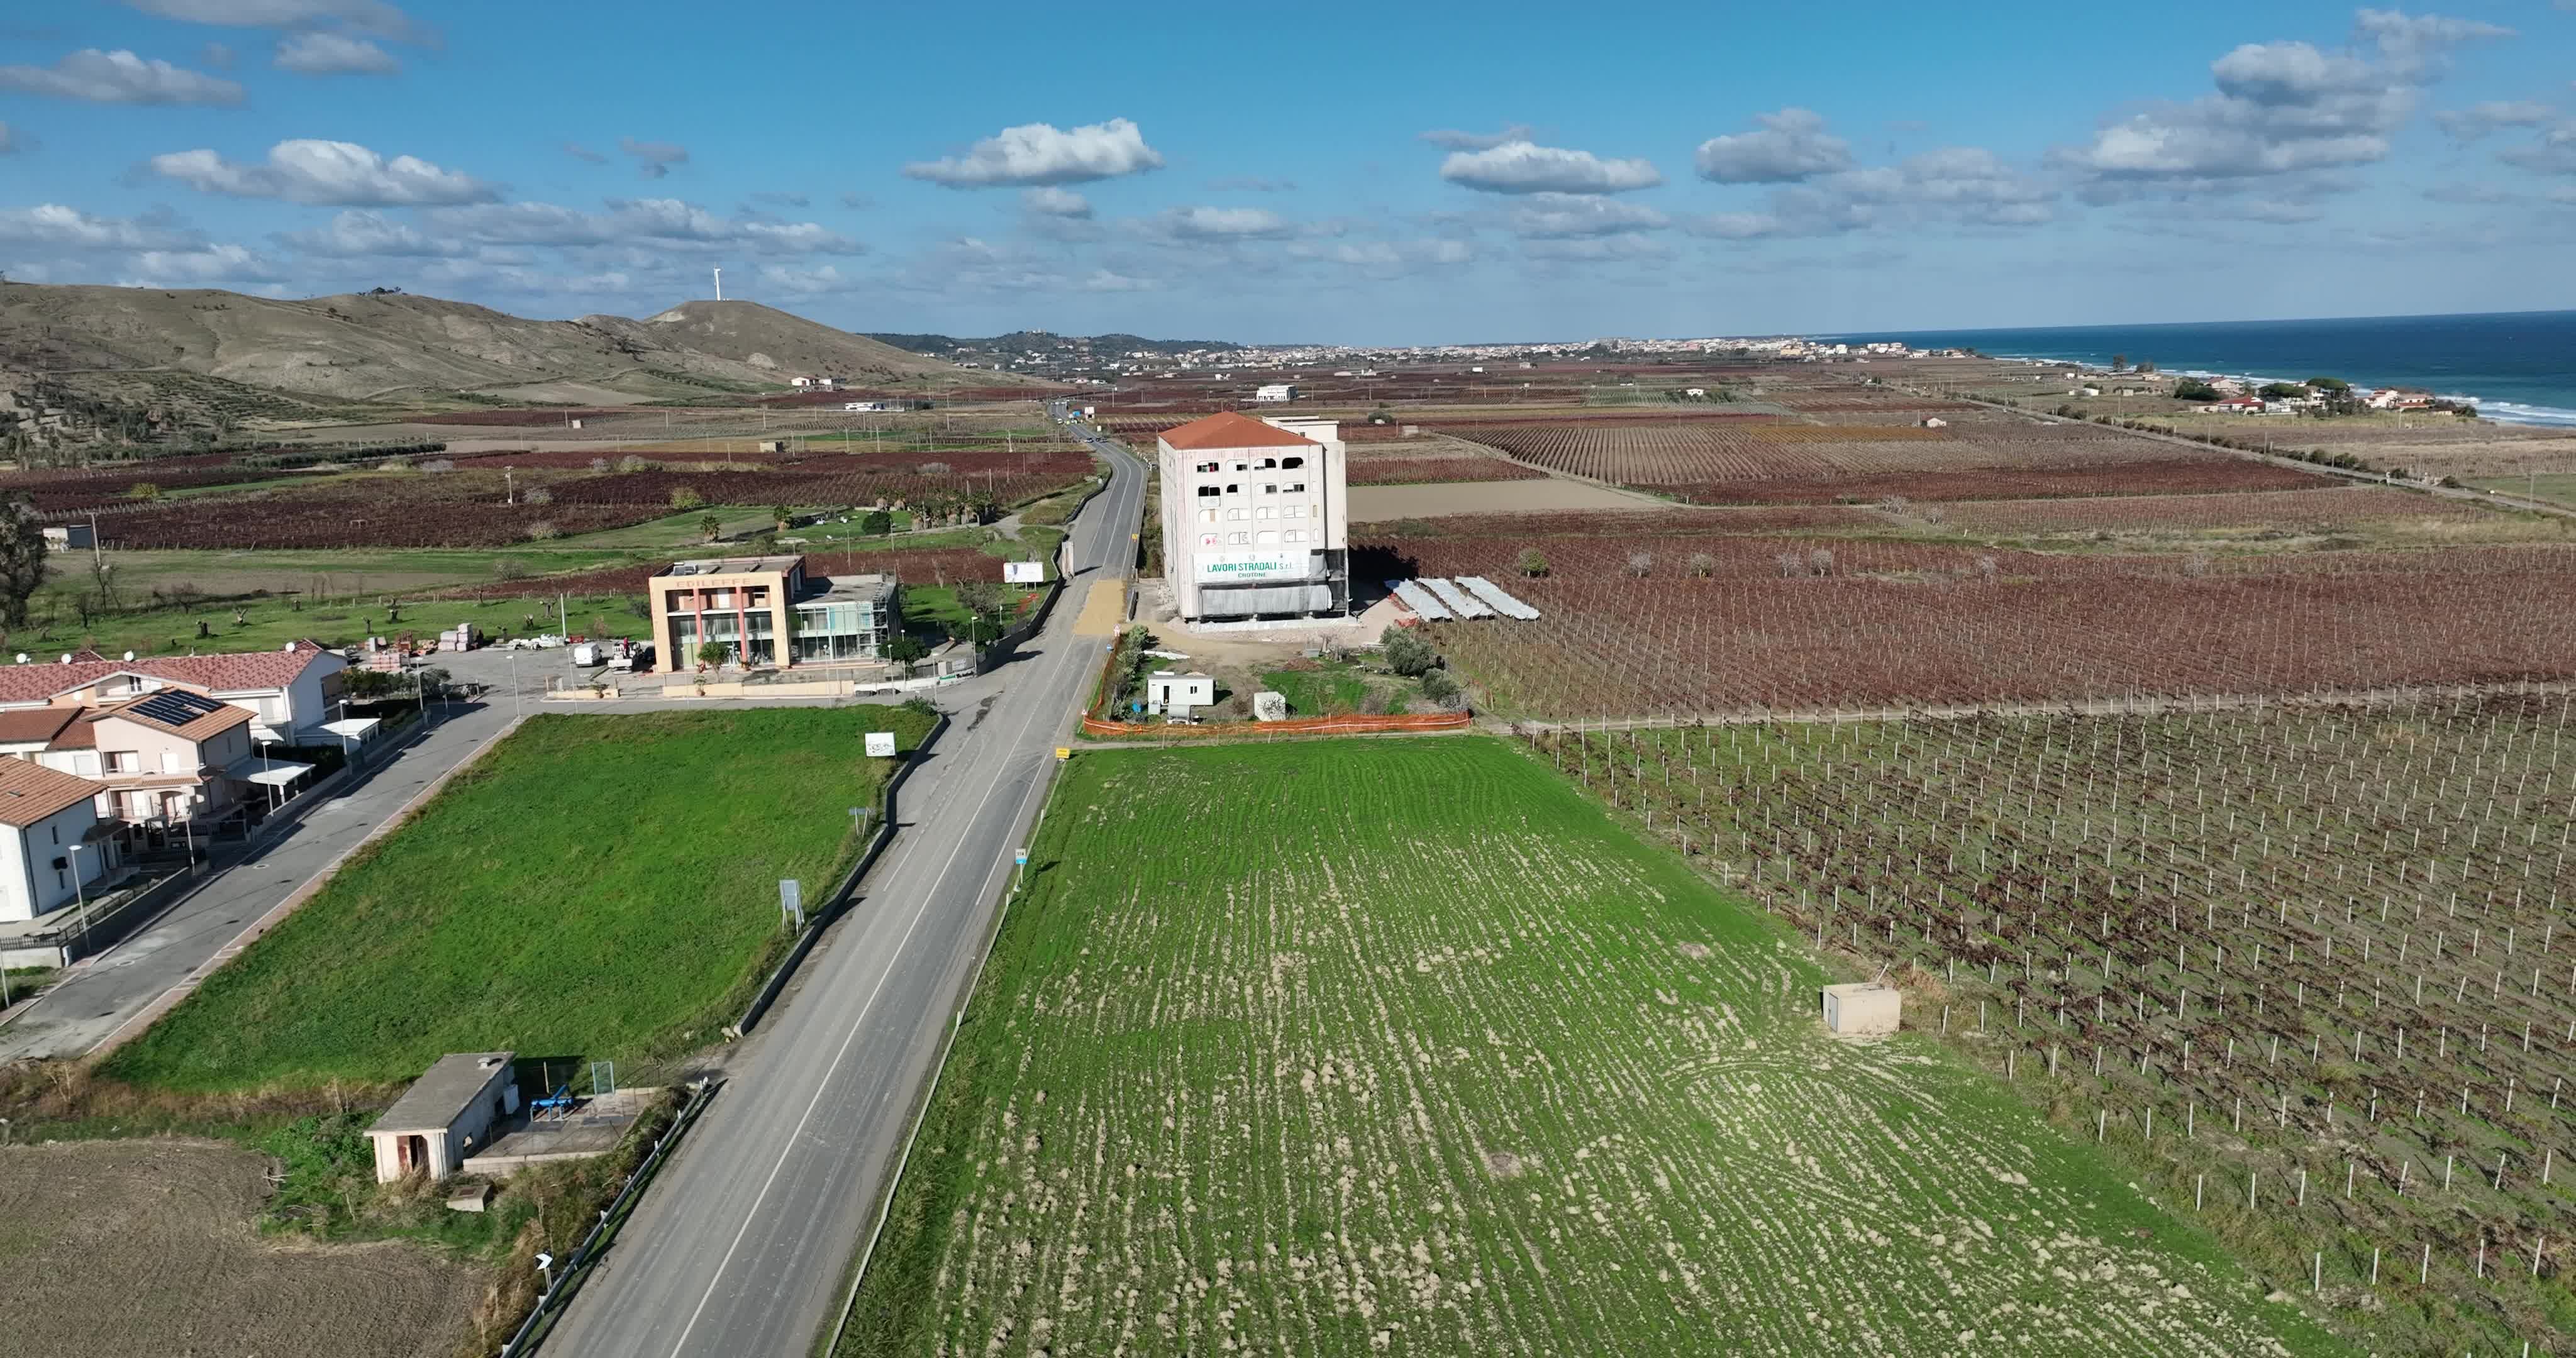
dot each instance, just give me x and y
(29, 792)
(198, 729)
(34, 724)
(1231, 430)
(215, 673)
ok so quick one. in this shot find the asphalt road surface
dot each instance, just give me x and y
(742, 1247)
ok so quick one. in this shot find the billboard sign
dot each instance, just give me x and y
(1228, 567)
(881, 744)
(1024, 572)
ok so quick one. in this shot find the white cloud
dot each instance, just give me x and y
(119, 77)
(1521, 167)
(372, 17)
(1222, 223)
(204, 264)
(654, 159)
(1041, 153)
(2411, 42)
(660, 221)
(2475, 121)
(334, 54)
(362, 234)
(1792, 146)
(1958, 184)
(584, 154)
(1450, 139)
(1102, 280)
(2553, 152)
(776, 199)
(1597, 249)
(1569, 215)
(326, 174)
(1386, 257)
(2279, 109)
(1049, 201)
(820, 280)
(2471, 195)
(59, 227)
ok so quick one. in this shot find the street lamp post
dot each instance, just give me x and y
(272, 787)
(80, 898)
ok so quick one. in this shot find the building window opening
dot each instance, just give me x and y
(1207, 492)
(1291, 463)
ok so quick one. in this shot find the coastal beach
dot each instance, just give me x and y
(2517, 367)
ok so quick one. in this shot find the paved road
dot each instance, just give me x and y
(742, 1247)
(99, 994)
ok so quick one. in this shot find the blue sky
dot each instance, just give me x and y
(1363, 174)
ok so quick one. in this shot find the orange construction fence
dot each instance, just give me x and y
(1301, 726)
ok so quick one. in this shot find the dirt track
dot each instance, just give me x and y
(119, 1248)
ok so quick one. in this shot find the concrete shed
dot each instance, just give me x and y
(1863, 1008)
(447, 1115)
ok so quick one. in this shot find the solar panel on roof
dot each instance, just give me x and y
(176, 707)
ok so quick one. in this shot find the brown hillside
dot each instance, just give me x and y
(403, 348)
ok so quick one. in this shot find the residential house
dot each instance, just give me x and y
(52, 843)
(165, 760)
(290, 692)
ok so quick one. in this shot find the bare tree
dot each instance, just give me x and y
(1986, 568)
(1703, 565)
(1791, 565)
(1820, 562)
(1640, 564)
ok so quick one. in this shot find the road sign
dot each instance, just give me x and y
(791, 901)
(881, 744)
(1021, 858)
(1064, 752)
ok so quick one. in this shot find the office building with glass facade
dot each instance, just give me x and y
(769, 612)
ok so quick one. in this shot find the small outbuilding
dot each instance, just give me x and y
(1862, 1008)
(447, 1115)
(1178, 693)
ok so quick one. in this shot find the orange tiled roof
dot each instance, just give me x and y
(1230, 430)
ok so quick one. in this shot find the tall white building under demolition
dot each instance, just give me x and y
(1256, 518)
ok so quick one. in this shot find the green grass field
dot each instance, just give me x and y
(1320, 692)
(1403, 1046)
(599, 886)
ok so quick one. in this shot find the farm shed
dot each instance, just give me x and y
(1863, 1008)
(445, 1116)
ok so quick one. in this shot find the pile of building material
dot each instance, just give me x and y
(1460, 601)
(1436, 599)
(464, 636)
(1420, 601)
(1493, 594)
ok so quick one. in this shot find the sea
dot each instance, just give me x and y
(2519, 367)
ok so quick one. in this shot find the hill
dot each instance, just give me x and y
(778, 345)
(144, 344)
